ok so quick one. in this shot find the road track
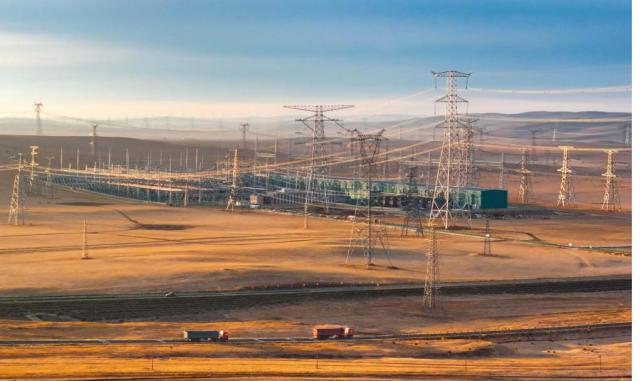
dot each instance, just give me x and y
(127, 306)
(500, 334)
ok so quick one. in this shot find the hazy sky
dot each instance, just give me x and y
(229, 58)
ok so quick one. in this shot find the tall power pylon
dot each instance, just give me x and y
(449, 175)
(501, 173)
(244, 127)
(373, 233)
(37, 107)
(526, 185)
(533, 156)
(412, 211)
(317, 169)
(566, 195)
(611, 197)
(233, 191)
(487, 238)
(16, 205)
(431, 292)
(467, 170)
(33, 165)
(94, 140)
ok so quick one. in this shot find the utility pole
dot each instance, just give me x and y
(244, 127)
(526, 185)
(432, 274)
(233, 191)
(366, 238)
(16, 206)
(566, 194)
(37, 107)
(61, 154)
(317, 169)
(85, 247)
(611, 197)
(448, 177)
(413, 212)
(487, 238)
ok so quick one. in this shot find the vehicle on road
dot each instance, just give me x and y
(332, 332)
(195, 336)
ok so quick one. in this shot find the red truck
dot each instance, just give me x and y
(332, 331)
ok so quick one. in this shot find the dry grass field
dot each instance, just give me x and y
(204, 248)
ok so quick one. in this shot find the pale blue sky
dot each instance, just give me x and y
(224, 56)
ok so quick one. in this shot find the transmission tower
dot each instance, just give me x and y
(412, 210)
(94, 140)
(501, 174)
(33, 165)
(611, 197)
(487, 238)
(467, 170)
(244, 127)
(526, 185)
(37, 107)
(432, 275)
(449, 174)
(374, 232)
(566, 195)
(16, 206)
(317, 169)
(626, 134)
(534, 144)
(233, 192)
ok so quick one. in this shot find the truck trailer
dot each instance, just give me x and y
(332, 332)
(206, 335)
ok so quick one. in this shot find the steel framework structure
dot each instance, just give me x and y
(526, 185)
(365, 238)
(16, 205)
(317, 168)
(233, 191)
(566, 194)
(611, 197)
(412, 211)
(37, 107)
(431, 292)
(450, 172)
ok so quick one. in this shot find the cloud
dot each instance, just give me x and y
(28, 51)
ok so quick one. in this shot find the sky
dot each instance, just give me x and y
(248, 58)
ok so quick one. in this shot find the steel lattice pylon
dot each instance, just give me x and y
(16, 205)
(366, 236)
(566, 195)
(611, 197)
(432, 274)
(450, 172)
(413, 213)
(526, 185)
(37, 107)
(233, 191)
(317, 170)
